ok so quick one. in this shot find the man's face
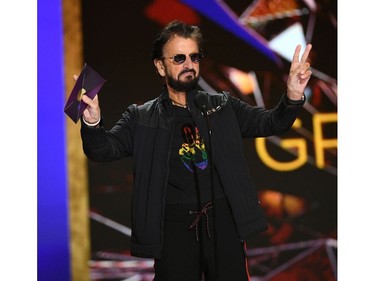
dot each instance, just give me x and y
(182, 76)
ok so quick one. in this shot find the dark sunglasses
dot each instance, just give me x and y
(180, 58)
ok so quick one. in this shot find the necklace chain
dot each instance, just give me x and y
(178, 104)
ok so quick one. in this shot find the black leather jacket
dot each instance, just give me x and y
(145, 133)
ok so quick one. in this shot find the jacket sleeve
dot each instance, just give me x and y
(103, 146)
(256, 121)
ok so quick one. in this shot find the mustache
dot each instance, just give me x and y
(187, 71)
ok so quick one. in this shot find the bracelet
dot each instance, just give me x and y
(296, 102)
(91, 124)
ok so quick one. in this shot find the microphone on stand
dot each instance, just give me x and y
(202, 103)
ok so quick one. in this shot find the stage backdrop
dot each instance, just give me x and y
(248, 48)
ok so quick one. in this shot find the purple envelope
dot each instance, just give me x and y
(88, 83)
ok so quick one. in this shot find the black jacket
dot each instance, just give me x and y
(144, 132)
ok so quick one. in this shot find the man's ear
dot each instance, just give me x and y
(159, 67)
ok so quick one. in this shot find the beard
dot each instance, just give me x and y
(183, 86)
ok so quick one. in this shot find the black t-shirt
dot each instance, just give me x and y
(189, 157)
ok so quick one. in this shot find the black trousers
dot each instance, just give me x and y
(186, 259)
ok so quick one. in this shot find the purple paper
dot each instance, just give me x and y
(88, 83)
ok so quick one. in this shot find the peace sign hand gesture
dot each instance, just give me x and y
(299, 74)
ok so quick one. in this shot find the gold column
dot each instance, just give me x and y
(77, 164)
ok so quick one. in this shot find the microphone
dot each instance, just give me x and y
(202, 102)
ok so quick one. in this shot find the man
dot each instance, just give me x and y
(193, 201)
